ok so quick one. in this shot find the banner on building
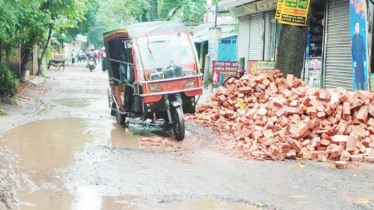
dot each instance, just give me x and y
(358, 22)
(279, 9)
(261, 67)
(222, 69)
(294, 12)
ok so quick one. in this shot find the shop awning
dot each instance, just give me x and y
(201, 32)
(234, 3)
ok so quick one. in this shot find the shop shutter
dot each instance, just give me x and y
(338, 63)
(256, 42)
(243, 38)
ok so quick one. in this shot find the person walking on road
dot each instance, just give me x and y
(79, 55)
(73, 55)
(99, 56)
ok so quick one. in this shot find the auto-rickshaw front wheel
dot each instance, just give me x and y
(178, 125)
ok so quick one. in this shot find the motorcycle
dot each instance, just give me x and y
(91, 64)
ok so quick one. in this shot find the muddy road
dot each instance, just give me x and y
(70, 154)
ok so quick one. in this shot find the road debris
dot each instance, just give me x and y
(269, 117)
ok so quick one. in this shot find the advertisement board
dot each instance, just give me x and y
(261, 67)
(358, 22)
(279, 9)
(222, 69)
(295, 12)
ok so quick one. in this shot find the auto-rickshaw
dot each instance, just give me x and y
(153, 73)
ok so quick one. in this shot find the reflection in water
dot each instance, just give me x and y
(47, 144)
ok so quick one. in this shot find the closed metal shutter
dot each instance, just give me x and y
(256, 41)
(243, 38)
(338, 63)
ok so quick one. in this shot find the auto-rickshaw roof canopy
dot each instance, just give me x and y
(142, 29)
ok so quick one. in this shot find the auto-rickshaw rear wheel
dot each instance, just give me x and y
(120, 118)
(113, 111)
(178, 126)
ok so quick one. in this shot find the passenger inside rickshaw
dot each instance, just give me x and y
(121, 50)
(167, 56)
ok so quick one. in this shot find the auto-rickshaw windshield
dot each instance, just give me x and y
(167, 56)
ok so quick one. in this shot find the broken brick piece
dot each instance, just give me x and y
(341, 164)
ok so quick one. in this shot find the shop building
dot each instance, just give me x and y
(328, 55)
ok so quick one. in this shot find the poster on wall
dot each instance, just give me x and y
(313, 67)
(261, 67)
(279, 9)
(358, 22)
(222, 69)
(295, 12)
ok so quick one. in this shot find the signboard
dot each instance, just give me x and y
(358, 22)
(294, 12)
(279, 9)
(262, 5)
(314, 72)
(272, 3)
(222, 69)
(261, 67)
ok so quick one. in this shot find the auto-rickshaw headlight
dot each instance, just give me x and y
(189, 84)
(155, 88)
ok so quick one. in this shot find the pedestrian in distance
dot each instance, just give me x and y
(73, 55)
(79, 56)
(99, 56)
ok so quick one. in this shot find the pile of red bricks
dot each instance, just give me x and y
(270, 117)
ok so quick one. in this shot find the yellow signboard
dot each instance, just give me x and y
(295, 12)
(279, 9)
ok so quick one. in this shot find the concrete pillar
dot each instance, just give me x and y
(214, 36)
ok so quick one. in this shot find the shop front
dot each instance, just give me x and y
(339, 43)
(257, 30)
(337, 54)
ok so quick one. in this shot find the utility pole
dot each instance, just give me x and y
(215, 24)
(206, 71)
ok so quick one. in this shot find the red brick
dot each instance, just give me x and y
(222, 98)
(321, 114)
(356, 158)
(273, 87)
(325, 142)
(363, 113)
(340, 138)
(336, 151)
(344, 97)
(291, 154)
(302, 129)
(317, 105)
(341, 164)
(273, 150)
(351, 143)
(296, 146)
(366, 142)
(268, 134)
(322, 158)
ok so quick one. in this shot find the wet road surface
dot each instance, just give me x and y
(72, 155)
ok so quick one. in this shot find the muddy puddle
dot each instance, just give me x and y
(52, 143)
(72, 102)
(48, 144)
(87, 91)
(134, 203)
